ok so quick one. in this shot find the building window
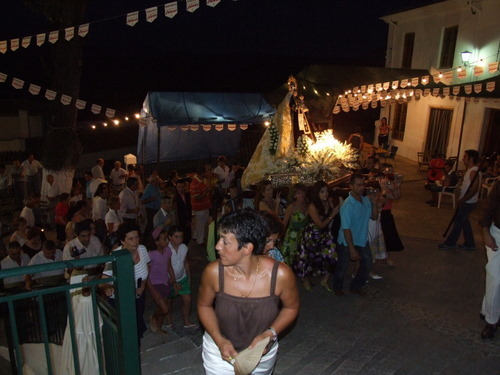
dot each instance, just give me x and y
(399, 121)
(408, 50)
(448, 47)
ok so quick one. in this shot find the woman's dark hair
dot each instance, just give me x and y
(315, 197)
(63, 197)
(247, 226)
(74, 209)
(295, 188)
(274, 224)
(261, 187)
(125, 228)
(100, 189)
(473, 154)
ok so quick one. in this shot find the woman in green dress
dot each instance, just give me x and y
(295, 221)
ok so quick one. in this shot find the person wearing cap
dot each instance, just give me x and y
(244, 297)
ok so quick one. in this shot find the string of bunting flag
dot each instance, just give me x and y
(204, 127)
(170, 10)
(64, 99)
(110, 113)
(371, 95)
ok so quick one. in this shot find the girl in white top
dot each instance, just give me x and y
(113, 218)
(182, 273)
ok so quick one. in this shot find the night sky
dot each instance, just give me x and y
(244, 45)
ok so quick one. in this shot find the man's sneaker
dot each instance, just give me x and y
(466, 248)
(444, 246)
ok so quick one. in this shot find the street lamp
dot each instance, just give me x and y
(465, 57)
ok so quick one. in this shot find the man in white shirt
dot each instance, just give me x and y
(118, 176)
(84, 245)
(467, 201)
(31, 171)
(129, 201)
(49, 254)
(27, 211)
(222, 172)
(97, 171)
(15, 258)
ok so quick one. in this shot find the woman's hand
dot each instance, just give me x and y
(259, 338)
(278, 197)
(140, 290)
(227, 350)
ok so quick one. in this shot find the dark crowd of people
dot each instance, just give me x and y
(267, 238)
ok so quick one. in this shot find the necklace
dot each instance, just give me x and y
(256, 273)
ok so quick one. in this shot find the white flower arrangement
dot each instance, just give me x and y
(273, 138)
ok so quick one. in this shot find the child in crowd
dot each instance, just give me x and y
(166, 214)
(113, 217)
(159, 280)
(181, 282)
(275, 230)
(235, 201)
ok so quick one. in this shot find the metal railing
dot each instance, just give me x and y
(26, 315)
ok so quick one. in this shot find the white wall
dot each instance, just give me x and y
(417, 121)
(478, 33)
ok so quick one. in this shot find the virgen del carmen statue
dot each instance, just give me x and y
(290, 152)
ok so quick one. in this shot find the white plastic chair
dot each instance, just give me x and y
(447, 193)
(486, 186)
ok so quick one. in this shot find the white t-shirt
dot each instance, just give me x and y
(39, 258)
(93, 249)
(223, 175)
(31, 169)
(53, 190)
(27, 213)
(177, 259)
(8, 262)
(99, 208)
(129, 200)
(113, 216)
(97, 172)
(467, 181)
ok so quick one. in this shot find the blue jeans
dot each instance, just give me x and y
(462, 223)
(365, 266)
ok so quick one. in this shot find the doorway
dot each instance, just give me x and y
(491, 137)
(438, 132)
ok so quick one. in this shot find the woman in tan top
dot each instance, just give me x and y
(238, 302)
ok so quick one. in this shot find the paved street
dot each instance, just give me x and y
(421, 318)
